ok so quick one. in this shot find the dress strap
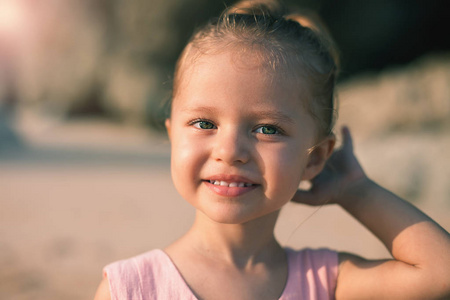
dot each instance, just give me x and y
(312, 274)
(149, 276)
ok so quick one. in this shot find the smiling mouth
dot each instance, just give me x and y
(230, 188)
(230, 184)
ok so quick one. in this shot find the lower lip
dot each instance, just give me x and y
(227, 191)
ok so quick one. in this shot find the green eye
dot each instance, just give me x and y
(267, 130)
(204, 125)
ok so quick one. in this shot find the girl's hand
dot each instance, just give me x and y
(342, 175)
(420, 264)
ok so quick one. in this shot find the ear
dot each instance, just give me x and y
(318, 157)
(167, 123)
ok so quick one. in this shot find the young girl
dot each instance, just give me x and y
(251, 116)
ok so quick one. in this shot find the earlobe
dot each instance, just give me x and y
(318, 157)
(167, 123)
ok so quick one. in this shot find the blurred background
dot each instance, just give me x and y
(84, 167)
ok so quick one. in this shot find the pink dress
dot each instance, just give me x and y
(152, 275)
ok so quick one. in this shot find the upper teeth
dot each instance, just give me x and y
(230, 184)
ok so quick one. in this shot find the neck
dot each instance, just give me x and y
(239, 244)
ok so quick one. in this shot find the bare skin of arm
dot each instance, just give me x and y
(420, 268)
(103, 291)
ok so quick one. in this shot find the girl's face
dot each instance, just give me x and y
(240, 139)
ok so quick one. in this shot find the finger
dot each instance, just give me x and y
(347, 141)
(306, 197)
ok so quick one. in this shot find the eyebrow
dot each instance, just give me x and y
(263, 114)
(199, 109)
(275, 115)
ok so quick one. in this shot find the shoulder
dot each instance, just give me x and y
(126, 279)
(316, 258)
(134, 264)
(315, 271)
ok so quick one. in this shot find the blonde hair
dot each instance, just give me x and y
(294, 42)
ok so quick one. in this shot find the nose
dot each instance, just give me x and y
(231, 146)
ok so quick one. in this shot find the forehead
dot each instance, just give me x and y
(242, 66)
(268, 59)
(227, 80)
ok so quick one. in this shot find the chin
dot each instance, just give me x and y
(227, 218)
(231, 216)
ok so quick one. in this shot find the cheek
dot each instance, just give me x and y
(182, 143)
(288, 166)
(187, 159)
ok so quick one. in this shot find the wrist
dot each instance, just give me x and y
(355, 191)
